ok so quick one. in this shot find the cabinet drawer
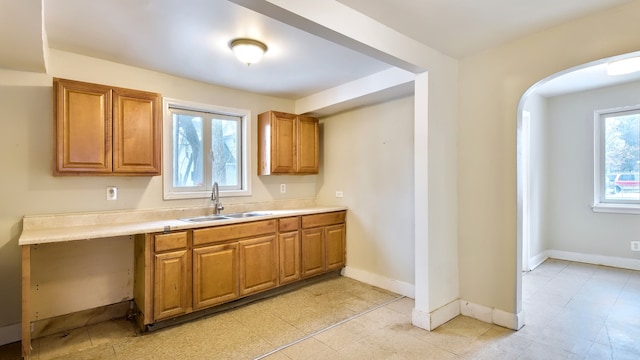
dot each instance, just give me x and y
(172, 241)
(229, 232)
(288, 224)
(309, 221)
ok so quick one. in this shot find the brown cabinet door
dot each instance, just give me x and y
(137, 133)
(289, 247)
(170, 284)
(287, 144)
(283, 143)
(312, 251)
(335, 246)
(102, 130)
(83, 127)
(307, 146)
(215, 274)
(258, 264)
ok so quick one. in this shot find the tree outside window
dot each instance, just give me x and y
(203, 144)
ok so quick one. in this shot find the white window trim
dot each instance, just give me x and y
(613, 208)
(599, 204)
(167, 152)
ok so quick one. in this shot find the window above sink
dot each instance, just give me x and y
(202, 144)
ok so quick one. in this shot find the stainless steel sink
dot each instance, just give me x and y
(247, 214)
(205, 218)
(242, 215)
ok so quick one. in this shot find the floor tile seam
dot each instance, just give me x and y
(306, 337)
(570, 338)
(295, 325)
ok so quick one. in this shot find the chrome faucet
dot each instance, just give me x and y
(215, 197)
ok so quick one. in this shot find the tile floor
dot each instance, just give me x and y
(573, 311)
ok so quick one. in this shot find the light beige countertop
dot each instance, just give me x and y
(39, 229)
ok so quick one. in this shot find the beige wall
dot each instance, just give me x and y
(491, 85)
(368, 155)
(27, 186)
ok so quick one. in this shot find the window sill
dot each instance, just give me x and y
(616, 208)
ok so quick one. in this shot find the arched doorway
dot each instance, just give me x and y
(530, 147)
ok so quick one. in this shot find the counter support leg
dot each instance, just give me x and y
(26, 301)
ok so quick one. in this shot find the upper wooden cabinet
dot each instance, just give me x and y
(287, 144)
(104, 130)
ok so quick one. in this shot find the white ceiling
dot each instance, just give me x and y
(459, 28)
(584, 78)
(190, 38)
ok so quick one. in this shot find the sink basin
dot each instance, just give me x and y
(247, 214)
(242, 215)
(205, 218)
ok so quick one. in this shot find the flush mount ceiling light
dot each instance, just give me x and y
(624, 66)
(248, 51)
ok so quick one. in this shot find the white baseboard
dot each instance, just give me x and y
(421, 319)
(10, 333)
(492, 315)
(623, 263)
(508, 320)
(476, 311)
(537, 260)
(430, 321)
(382, 282)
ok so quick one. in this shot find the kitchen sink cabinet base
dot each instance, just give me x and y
(185, 272)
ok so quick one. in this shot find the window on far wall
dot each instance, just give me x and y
(205, 144)
(617, 160)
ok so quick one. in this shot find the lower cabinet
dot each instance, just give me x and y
(170, 293)
(289, 253)
(258, 264)
(215, 275)
(323, 243)
(180, 272)
(313, 252)
(335, 237)
(171, 272)
(289, 249)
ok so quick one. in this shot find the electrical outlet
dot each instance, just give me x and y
(112, 193)
(283, 188)
(635, 246)
(339, 194)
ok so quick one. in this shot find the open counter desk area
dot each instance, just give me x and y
(170, 263)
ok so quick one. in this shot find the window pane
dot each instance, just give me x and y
(188, 151)
(621, 156)
(225, 148)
